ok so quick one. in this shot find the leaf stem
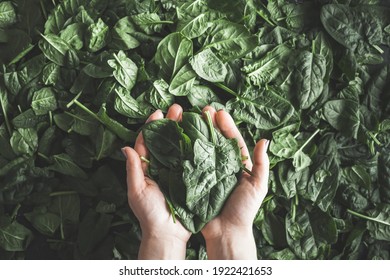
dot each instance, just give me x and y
(73, 100)
(308, 140)
(247, 171)
(15, 212)
(367, 217)
(263, 16)
(62, 193)
(44, 156)
(144, 159)
(378, 49)
(211, 127)
(373, 137)
(43, 10)
(268, 198)
(225, 88)
(85, 109)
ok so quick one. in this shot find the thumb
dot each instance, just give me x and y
(135, 175)
(260, 169)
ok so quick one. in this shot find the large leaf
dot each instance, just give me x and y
(309, 77)
(58, 51)
(162, 138)
(379, 225)
(208, 66)
(183, 81)
(172, 54)
(229, 40)
(263, 109)
(343, 115)
(266, 69)
(300, 236)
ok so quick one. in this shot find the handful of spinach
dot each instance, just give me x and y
(194, 165)
(78, 79)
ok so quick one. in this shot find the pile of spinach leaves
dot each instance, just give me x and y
(79, 78)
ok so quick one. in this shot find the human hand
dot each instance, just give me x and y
(161, 237)
(230, 235)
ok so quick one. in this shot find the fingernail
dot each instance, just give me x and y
(266, 144)
(124, 153)
(220, 110)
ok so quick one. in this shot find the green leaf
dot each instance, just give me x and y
(116, 127)
(24, 141)
(208, 66)
(195, 18)
(125, 70)
(309, 74)
(28, 119)
(201, 96)
(162, 138)
(351, 26)
(73, 34)
(229, 40)
(45, 223)
(211, 177)
(44, 101)
(183, 81)
(267, 68)
(301, 161)
(343, 115)
(7, 14)
(64, 164)
(14, 237)
(159, 96)
(195, 127)
(51, 74)
(97, 36)
(300, 236)
(104, 143)
(122, 35)
(263, 109)
(379, 224)
(149, 23)
(58, 51)
(126, 105)
(172, 54)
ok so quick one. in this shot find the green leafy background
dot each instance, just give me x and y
(79, 78)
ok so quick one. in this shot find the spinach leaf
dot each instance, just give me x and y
(125, 70)
(265, 109)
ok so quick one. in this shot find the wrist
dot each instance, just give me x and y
(162, 248)
(236, 244)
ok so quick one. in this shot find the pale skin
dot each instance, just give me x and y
(229, 235)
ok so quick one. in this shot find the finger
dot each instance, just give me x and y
(260, 170)
(229, 129)
(175, 112)
(139, 145)
(212, 112)
(135, 174)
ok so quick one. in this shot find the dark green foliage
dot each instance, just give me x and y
(79, 78)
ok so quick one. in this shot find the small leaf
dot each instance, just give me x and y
(44, 101)
(125, 70)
